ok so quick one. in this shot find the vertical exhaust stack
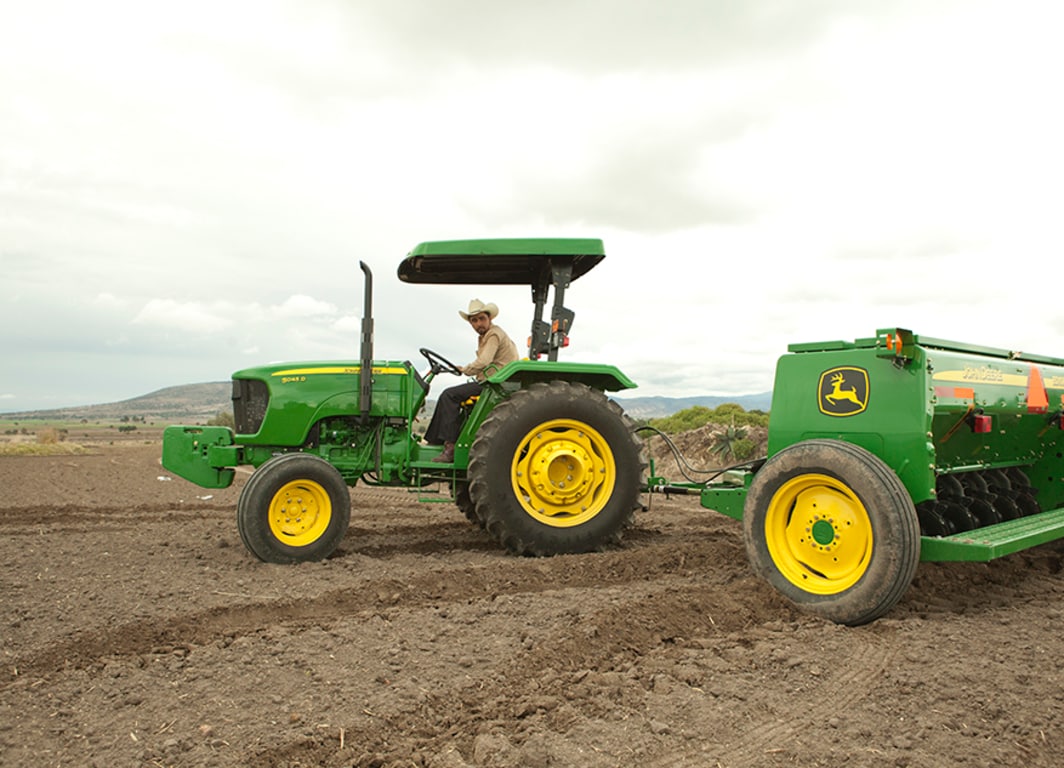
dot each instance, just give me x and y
(365, 376)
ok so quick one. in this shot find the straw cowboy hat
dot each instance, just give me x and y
(476, 306)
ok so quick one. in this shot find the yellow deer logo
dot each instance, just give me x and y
(838, 393)
(843, 391)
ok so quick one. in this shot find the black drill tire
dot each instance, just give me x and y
(880, 533)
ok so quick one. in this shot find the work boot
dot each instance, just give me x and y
(448, 454)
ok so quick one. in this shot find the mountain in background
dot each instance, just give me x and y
(657, 407)
(196, 403)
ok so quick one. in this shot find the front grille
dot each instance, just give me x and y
(251, 398)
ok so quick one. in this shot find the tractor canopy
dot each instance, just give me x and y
(508, 261)
(538, 262)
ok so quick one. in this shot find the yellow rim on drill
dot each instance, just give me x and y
(818, 534)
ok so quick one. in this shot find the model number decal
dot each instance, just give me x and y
(290, 374)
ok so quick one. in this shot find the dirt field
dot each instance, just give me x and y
(137, 631)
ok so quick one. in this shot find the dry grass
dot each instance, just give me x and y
(40, 448)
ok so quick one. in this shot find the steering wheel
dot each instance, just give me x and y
(440, 364)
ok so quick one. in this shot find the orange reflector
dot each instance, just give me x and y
(960, 393)
(1037, 399)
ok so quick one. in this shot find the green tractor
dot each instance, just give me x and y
(546, 463)
(882, 452)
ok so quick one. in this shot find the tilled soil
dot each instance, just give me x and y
(137, 631)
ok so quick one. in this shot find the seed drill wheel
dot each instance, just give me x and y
(295, 508)
(831, 527)
(556, 469)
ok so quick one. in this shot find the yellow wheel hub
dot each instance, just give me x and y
(300, 513)
(563, 473)
(818, 534)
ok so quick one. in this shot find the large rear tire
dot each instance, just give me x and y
(831, 527)
(294, 508)
(556, 469)
(466, 505)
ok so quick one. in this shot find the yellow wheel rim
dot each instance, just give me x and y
(563, 473)
(818, 534)
(300, 513)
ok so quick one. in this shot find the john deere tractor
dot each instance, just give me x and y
(882, 452)
(546, 463)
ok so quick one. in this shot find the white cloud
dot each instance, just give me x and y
(300, 305)
(185, 316)
(761, 173)
(108, 301)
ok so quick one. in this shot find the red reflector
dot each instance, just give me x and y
(980, 424)
(565, 341)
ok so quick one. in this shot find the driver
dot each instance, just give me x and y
(494, 350)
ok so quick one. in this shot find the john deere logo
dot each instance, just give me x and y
(843, 391)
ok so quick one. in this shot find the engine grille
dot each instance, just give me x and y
(251, 398)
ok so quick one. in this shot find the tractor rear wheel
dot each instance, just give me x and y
(466, 505)
(296, 507)
(556, 469)
(831, 527)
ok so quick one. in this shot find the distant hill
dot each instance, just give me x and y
(657, 407)
(185, 403)
(196, 403)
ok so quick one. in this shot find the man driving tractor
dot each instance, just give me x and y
(494, 350)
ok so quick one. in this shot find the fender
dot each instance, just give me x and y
(525, 372)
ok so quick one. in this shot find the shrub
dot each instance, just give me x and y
(698, 416)
(223, 419)
(743, 449)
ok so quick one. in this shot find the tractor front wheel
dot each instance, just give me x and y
(556, 469)
(296, 507)
(831, 527)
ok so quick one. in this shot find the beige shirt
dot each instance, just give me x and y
(494, 350)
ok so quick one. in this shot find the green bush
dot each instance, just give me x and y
(223, 419)
(697, 416)
(743, 449)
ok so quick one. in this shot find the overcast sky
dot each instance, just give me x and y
(186, 189)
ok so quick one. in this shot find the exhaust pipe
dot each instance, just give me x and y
(365, 377)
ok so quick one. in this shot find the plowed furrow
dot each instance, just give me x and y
(668, 609)
(853, 677)
(372, 596)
